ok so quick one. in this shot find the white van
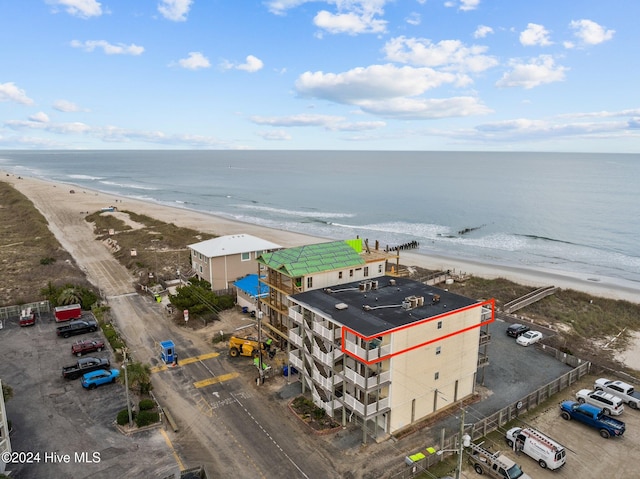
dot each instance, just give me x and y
(543, 449)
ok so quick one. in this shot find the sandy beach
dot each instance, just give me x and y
(84, 200)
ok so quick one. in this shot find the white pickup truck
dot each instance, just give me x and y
(623, 390)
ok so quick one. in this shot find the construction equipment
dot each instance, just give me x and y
(249, 346)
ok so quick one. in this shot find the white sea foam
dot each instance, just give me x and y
(133, 186)
(286, 212)
(85, 177)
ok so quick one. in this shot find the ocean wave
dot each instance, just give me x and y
(85, 177)
(418, 230)
(128, 185)
(306, 214)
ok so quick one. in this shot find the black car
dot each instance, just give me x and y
(516, 330)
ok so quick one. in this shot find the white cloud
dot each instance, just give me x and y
(79, 8)
(60, 128)
(449, 54)
(373, 82)
(252, 64)
(590, 33)
(10, 92)
(538, 71)
(414, 19)
(275, 135)
(108, 48)
(195, 61)
(535, 35)
(464, 5)
(65, 106)
(351, 23)
(279, 7)
(328, 122)
(482, 31)
(40, 117)
(425, 108)
(175, 10)
(298, 120)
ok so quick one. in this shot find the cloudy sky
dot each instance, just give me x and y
(522, 75)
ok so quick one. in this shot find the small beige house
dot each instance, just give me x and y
(222, 260)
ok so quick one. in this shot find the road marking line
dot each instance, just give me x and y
(173, 451)
(194, 359)
(217, 379)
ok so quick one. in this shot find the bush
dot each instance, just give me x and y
(147, 417)
(123, 417)
(146, 404)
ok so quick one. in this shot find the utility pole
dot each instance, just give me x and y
(460, 444)
(126, 386)
(260, 367)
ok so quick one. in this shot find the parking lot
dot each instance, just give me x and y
(60, 419)
(588, 454)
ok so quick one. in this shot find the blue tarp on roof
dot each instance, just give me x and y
(249, 284)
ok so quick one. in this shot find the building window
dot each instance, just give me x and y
(259, 253)
(246, 256)
(438, 350)
(339, 274)
(351, 273)
(366, 271)
(439, 324)
(201, 268)
(436, 376)
(310, 282)
(379, 268)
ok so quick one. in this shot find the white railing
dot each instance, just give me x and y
(326, 383)
(295, 315)
(365, 383)
(296, 362)
(372, 408)
(368, 354)
(295, 337)
(326, 358)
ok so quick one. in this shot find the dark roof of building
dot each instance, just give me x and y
(313, 258)
(379, 309)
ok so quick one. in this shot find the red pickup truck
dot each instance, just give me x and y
(87, 346)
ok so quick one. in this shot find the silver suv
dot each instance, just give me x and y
(611, 405)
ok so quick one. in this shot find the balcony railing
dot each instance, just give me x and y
(373, 408)
(368, 354)
(329, 358)
(326, 383)
(372, 382)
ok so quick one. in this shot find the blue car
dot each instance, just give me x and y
(97, 378)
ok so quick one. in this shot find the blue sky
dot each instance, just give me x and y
(515, 75)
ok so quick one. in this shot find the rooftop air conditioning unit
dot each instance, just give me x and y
(341, 306)
(392, 282)
(374, 284)
(406, 304)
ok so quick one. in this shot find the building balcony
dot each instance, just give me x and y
(326, 383)
(485, 338)
(370, 383)
(296, 362)
(367, 354)
(328, 406)
(373, 408)
(329, 334)
(328, 358)
(483, 360)
(295, 338)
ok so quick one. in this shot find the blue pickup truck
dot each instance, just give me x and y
(592, 416)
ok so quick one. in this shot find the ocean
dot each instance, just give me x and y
(576, 213)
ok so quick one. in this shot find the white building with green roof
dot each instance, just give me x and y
(304, 268)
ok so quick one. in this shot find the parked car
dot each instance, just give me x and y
(97, 378)
(528, 338)
(27, 317)
(516, 330)
(624, 391)
(611, 405)
(87, 346)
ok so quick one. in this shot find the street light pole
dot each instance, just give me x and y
(460, 445)
(126, 386)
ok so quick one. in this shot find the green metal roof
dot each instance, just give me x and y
(313, 258)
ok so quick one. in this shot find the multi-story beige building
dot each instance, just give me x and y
(222, 260)
(5, 441)
(305, 268)
(387, 352)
